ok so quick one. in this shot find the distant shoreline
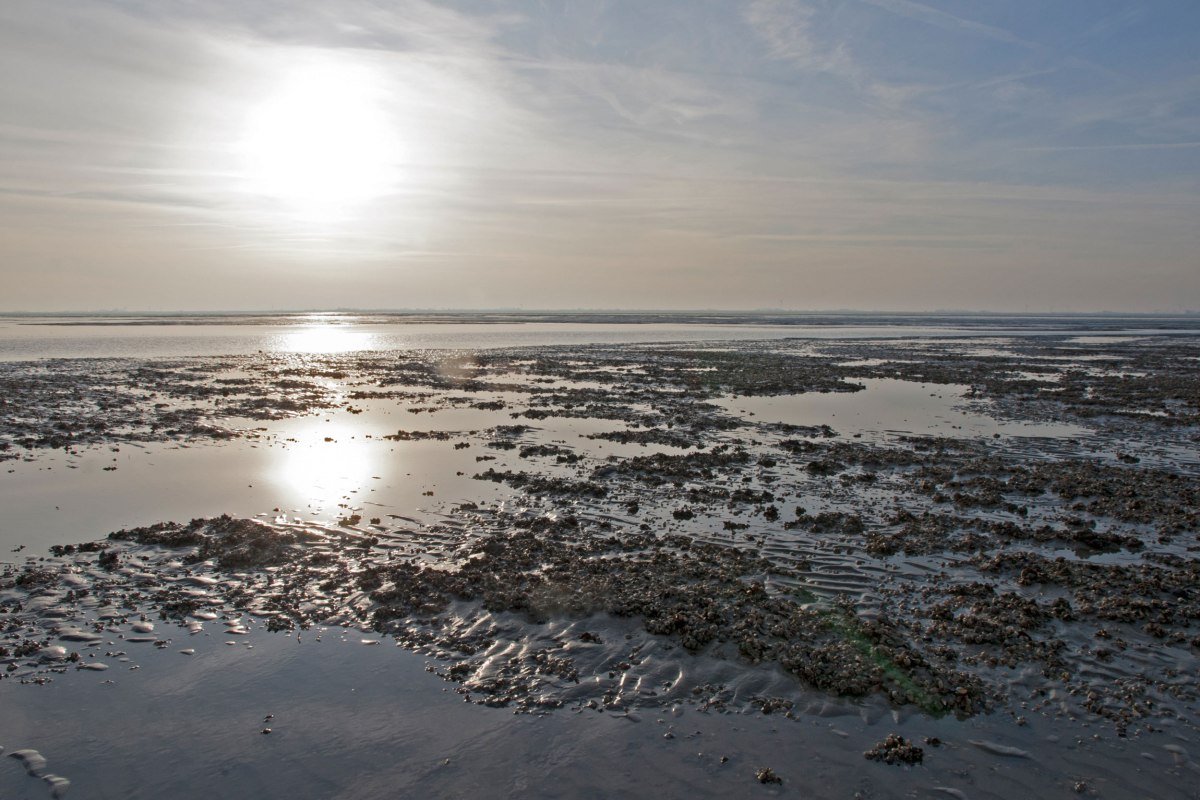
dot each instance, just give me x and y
(486, 317)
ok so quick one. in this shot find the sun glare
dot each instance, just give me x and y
(324, 339)
(325, 463)
(323, 143)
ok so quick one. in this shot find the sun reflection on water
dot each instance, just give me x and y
(327, 463)
(325, 339)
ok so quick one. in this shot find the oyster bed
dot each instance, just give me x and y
(997, 532)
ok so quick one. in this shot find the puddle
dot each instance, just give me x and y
(61, 500)
(1037, 376)
(315, 467)
(875, 362)
(1105, 339)
(892, 407)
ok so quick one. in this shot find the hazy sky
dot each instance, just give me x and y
(807, 154)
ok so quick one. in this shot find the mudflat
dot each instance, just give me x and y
(960, 566)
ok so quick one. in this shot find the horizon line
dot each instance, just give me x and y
(583, 311)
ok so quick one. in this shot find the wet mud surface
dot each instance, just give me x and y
(995, 539)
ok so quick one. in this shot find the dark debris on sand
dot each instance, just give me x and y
(895, 749)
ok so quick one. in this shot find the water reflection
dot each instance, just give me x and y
(890, 406)
(326, 462)
(324, 339)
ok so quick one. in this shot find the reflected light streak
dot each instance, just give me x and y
(325, 339)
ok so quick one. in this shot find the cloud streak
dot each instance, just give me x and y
(929, 15)
(1131, 146)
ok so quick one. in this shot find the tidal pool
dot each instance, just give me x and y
(891, 407)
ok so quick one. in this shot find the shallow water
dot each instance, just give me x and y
(23, 342)
(372, 722)
(28, 337)
(316, 468)
(888, 407)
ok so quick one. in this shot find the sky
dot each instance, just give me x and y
(787, 154)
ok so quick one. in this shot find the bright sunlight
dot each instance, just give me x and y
(322, 144)
(324, 339)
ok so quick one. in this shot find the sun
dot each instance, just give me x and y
(322, 143)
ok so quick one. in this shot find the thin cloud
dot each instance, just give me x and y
(932, 16)
(1132, 146)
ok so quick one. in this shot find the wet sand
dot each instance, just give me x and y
(687, 568)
